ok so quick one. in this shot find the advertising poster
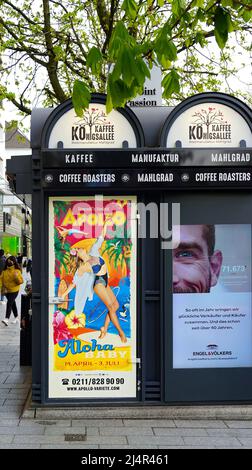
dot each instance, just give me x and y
(212, 324)
(92, 297)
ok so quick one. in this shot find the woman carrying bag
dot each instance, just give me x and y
(10, 281)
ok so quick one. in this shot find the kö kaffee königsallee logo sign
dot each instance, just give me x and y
(94, 126)
(208, 120)
(95, 129)
(209, 124)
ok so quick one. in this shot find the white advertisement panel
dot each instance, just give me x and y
(212, 321)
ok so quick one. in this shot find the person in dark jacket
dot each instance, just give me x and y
(2, 264)
(20, 259)
(29, 266)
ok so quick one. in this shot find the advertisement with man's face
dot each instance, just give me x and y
(92, 317)
(212, 321)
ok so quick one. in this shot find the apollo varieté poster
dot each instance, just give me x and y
(92, 297)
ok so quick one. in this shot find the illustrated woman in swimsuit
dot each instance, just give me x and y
(92, 276)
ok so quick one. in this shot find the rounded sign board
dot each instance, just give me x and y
(95, 129)
(208, 120)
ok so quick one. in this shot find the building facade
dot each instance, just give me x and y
(15, 211)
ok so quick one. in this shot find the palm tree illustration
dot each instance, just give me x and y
(208, 117)
(61, 254)
(118, 251)
(59, 209)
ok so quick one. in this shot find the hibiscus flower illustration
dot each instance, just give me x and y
(73, 321)
(60, 330)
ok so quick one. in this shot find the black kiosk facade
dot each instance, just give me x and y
(142, 255)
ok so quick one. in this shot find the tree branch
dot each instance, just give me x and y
(78, 41)
(30, 52)
(20, 12)
(113, 8)
(103, 16)
(200, 72)
(210, 34)
(52, 61)
(20, 106)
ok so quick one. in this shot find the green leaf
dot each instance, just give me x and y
(135, 89)
(163, 60)
(221, 38)
(128, 66)
(200, 15)
(165, 48)
(200, 3)
(116, 92)
(246, 15)
(121, 31)
(94, 59)
(141, 68)
(221, 26)
(177, 7)
(109, 102)
(119, 93)
(200, 38)
(130, 7)
(58, 51)
(171, 51)
(120, 37)
(81, 97)
(144, 48)
(170, 84)
(227, 3)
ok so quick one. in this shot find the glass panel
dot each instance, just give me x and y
(212, 321)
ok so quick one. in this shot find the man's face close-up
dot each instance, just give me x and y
(194, 271)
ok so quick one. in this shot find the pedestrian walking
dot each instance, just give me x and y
(20, 259)
(29, 266)
(2, 264)
(10, 282)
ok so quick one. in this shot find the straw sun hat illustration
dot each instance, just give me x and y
(85, 244)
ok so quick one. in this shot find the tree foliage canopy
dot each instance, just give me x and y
(73, 47)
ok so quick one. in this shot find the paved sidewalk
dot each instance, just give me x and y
(17, 432)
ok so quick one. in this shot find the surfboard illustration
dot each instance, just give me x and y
(61, 289)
